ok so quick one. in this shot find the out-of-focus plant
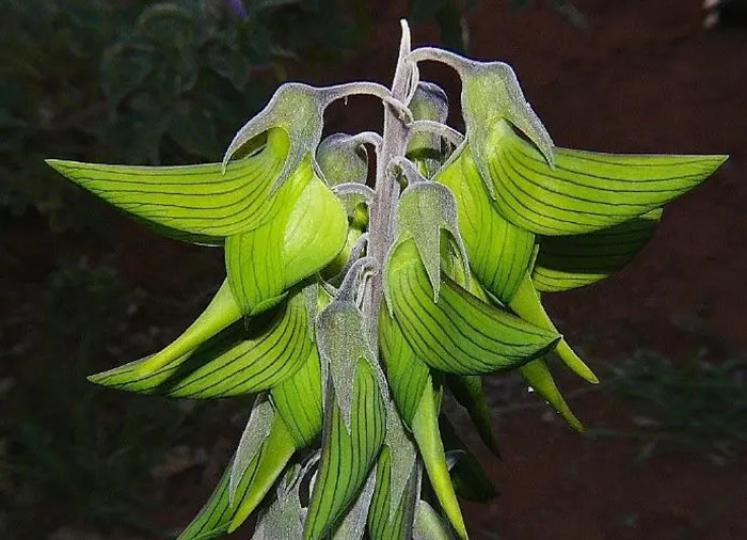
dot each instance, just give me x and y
(451, 16)
(693, 406)
(144, 82)
(349, 311)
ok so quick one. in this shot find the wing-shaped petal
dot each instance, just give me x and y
(499, 251)
(585, 191)
(316, 232)
(460, 333)
(195, 202)
(568, 262)
(303, 237)
(239, 361)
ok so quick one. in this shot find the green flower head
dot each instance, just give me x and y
(354, 304)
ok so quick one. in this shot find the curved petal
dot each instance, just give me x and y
(527, 304)
(218, 516)
(569, 262)
(347, 456)
(538, 376)
(300, 240)
(499, 252)
(192, 202)
(406, 374)
(298, 399)
(428, 437)
(221, 313)
(585, 191)
(232, 364)
(316, 232)
(459, 334)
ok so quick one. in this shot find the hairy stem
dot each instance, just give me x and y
(381, 219)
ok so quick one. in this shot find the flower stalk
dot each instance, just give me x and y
(382, 213)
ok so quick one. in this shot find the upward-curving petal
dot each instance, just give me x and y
(460, 333)
(585, 191)
(239, 361)
(499, 251)
(192, 202)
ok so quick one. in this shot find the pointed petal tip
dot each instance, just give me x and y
(58, 165)
(97, 378)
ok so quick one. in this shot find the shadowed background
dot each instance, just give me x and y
(84, 289)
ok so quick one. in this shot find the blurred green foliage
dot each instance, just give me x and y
(149, 82)
(76, 457)
(145, 82)
(693, 405)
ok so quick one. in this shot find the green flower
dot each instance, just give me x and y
(349, 312)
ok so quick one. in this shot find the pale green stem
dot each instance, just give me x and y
(382, 211)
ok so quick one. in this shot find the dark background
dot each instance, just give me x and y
(83, 288)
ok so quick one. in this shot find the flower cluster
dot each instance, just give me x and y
(346, 437)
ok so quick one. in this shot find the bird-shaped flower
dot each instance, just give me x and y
(349, 373)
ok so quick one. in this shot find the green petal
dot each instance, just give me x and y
(218, 315)
(381, 524)
(347, 457)
(527, 304)
(467, 390)
(316, 232)
(298, 241)
(298, 399)
(193, 202)
(568, 262)
(428, 437)
(239, 361)
(218, 517)
(459, 334)
(538, 376)
(585, 191)
(254, 265)
(499, 252)
(471, 482)
(406, 373)
(353, 524)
